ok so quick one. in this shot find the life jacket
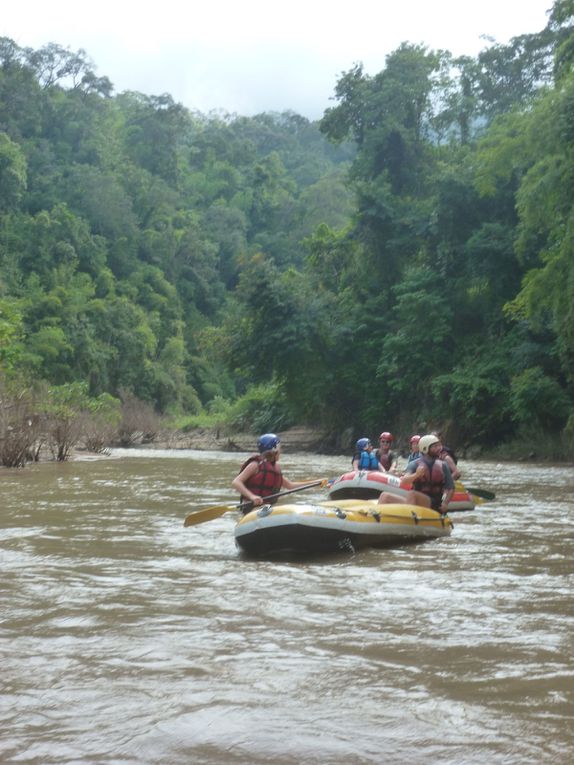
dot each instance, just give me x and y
(267, 480)
(367, 460)
(386, 459)
(413, 456)
(433, 483)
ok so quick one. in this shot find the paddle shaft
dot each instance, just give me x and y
(244, 505)
(210, 513)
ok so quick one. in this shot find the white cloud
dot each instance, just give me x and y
(254, 55)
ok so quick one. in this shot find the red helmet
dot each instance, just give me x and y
(386, 436)
(414, 439)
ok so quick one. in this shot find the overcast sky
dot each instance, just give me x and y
(249, 56)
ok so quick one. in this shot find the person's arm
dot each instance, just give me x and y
(238, 483)
(448, 488)
(287, 484)
(455, 472)
(413, 473)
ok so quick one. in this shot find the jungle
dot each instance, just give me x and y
(405, 262)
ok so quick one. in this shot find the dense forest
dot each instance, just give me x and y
(406, 262)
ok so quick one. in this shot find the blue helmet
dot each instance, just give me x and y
(362, 444)
(267, 442)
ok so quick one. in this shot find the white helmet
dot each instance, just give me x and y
(426, 442)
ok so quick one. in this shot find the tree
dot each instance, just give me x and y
(19, 423)
(538, 401)
(11, 334)
(99, 424)
(544, 203)
(418, 345)
(63, 409)
(12, 174)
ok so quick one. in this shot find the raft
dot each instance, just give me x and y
(368, 484)
(336, 526)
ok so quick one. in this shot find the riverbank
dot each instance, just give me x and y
(297, 439)
(306, 439)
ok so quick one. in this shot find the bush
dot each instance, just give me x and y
(139, 420)
(100, 423)
(19, 425)
(262, 408)
(538, 400)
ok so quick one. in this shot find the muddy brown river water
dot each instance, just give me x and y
(127, 639)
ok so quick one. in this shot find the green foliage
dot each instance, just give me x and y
(68, 399)
(544, 243)
(418, 347)
(12, 173)
(538, 401)
(263, 408)
(11, 331)
(416, 268)
(474, 400)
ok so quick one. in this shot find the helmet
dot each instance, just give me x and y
(386, 436)
(362, 444)
(267, 442)
(414, 439)
(426, 442)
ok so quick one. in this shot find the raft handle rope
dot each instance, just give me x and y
(377, 515)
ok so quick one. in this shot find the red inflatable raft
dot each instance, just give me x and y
(368, 484)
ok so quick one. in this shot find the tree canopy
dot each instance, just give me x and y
(406, 261)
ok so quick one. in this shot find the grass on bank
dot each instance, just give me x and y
(263, 408)
(260, 410)
(536, 447)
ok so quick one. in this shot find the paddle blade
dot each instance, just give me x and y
(484, 493)
(207, 514)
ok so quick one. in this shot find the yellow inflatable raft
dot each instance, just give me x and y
(344, 525)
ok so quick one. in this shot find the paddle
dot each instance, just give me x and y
(484, 493)
(210, 513)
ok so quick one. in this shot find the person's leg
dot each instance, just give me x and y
(418, 498)
(391, 499)
(412, 498)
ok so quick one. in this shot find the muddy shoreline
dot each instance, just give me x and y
(305, 439)
(299, 439)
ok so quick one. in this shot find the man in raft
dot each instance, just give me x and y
(260, 475)
(386, 457)
(429, 479)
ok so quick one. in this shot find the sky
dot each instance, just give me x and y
(249, 56)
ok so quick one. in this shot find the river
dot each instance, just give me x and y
(128, 639)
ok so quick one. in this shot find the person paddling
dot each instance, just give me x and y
(428, 476)
(447, 455)
(260, 475)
